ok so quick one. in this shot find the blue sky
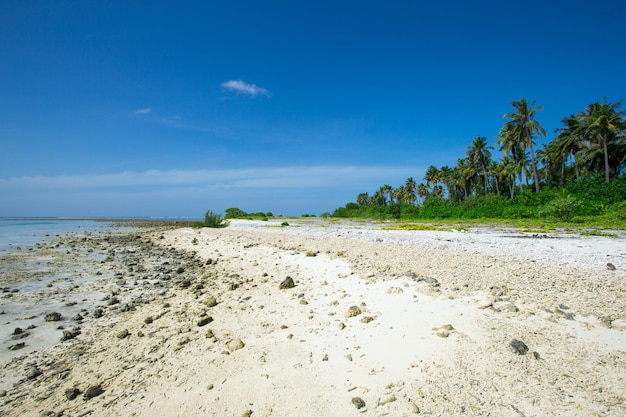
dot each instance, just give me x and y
(168, 109)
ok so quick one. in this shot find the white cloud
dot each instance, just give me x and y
(248, 178)
(143, 111)
(240, 86)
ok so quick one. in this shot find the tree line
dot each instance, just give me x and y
(589, 143)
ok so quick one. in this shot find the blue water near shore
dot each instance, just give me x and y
(24, 233)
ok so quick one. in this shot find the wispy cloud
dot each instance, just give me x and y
(248, 178)
(143, 111)
(242, 87)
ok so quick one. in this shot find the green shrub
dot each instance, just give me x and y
(284, 224)
(563, 209)
(213, 220)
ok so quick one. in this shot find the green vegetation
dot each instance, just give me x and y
(236, 213)
(213, 220)
(577, 178)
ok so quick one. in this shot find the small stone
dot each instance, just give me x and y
(325, 358)
(310, 253)
(210, 387)
(70, 334)
(17, 346)
(353, 311)
(123, 334)
(286, 284)
(235, 344)
(93, 391)
(358, 402)
(3, 393)
(342, 326)
(72, 393)
(367, 319)
(610, 266)
(518, 347)
(204, 321)
(210, 301)
(54, 316)
(32, 372)
(394, 290)
(97, 313)
(247, 413)
(17, 331)
(148, 320)
(486, 303)
(536, 355)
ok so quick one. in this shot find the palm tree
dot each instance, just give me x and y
(378, 199)
(509, 170)
(604, 124)
(568, 141)
(423, 191)
(387, 189)
(363, 200)
(521, 129)
(479, 155)
(432, 175)
(445, 176)
(410, 188)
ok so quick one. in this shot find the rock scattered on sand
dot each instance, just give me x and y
(443, 331)
(367, 319)
(610, 266)
(204, 321)
(353, 311)
(97, 313)
(235, 344)
(32, 372)
(123, 334)
(247, 413)
(72, 393)
(54, 316)
(394, 290)
(17, 346)
(518, 347)
(210, 301)
(70, 334)
(93, 391)
(358, 402)
(287, 283)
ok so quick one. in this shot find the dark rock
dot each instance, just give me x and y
(17, 346)
(78, 317)
(113, 301)
(97, 313)
(233, 286)
(518, 347)
(72, 393)
(358, 402)
(93, 391)
(180, 270)
(17, 331)
(287, 283)
(54, 316)
(148, 320)
(186, 283)
(610, 266)
(33, 372)
(204, 321)
(70, 334)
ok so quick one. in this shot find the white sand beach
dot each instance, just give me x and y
(378, 322)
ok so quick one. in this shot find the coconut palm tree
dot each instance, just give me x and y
(604, 124)
(432, 175)
(479, 155)
(522, 128)
(410, 188)
(363, 200)
(568, 141)
(387, 189)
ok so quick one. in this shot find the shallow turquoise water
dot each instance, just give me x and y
(24, 233)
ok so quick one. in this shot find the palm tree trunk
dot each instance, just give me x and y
(576, 165)
(532, 160)
(606, 158)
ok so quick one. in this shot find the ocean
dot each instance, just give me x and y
(24, 233)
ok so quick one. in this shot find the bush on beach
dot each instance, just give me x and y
(213, 220)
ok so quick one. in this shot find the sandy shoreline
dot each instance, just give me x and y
(379, 323)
